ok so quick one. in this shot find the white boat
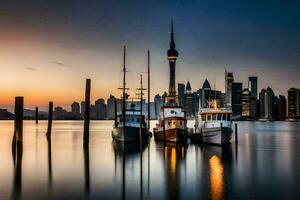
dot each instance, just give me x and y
(213, 125)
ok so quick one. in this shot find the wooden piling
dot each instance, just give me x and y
(18, 133)
(36, 115)
(19, 102)
(236, 133)
(87, 112)
(50, 117)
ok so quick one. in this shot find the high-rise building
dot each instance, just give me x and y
(236, 96)
(205, 94)
(75, 110)
(267, 104)
(253, 108)
(228, 89)
(82, 111)
(280, 107)
(189, 101)
(252, 86)
(101, 111)
(246, 103)
(181, 92)
(294, 103)
(111, 106)
(157, 104)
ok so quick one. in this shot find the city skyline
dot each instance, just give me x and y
(47, 55)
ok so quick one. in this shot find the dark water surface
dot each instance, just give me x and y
(264, 165)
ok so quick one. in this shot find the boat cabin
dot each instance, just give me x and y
(216, 116)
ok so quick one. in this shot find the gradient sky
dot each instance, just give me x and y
(48, 48)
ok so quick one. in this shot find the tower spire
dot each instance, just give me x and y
(172, 43)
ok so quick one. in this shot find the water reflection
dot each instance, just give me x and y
(87, 169)
(174, 155)
(216, 178)
(267, 160)
(49, 162)
(220, 167)
(17, 153)
(128, 154)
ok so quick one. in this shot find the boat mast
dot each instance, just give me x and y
(148, 89)
(124, 92)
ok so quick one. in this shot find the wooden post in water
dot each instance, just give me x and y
(36, 115)
(50, 117)
(87, 112)
(18, 134)
(236, 133)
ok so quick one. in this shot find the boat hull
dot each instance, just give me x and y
(216, 135)
(132, 134)
(171, 135)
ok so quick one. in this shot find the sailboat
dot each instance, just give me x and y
(130, 124)
(172, 125)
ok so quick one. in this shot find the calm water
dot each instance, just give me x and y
(264, 165)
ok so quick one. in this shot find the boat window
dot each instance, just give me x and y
(219, 116)
(180, 123)
(214, 116)
(203, 117)
(172, 111)
(224, 117)
(208, 117)
(137, 119)
(169, 123)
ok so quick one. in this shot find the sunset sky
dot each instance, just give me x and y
(48, 48)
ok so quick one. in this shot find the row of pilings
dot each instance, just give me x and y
(17, 141)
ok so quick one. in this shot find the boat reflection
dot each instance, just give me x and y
(219, 159)
(127, 154)
(174, 156)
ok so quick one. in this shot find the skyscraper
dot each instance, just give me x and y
(294, 103)
(75, 110)
(236, 96)
(206, 91)
(267, 104)
(189, 101)
(157, 104)
(100, 109)
(172, 53)
(246, 103)
(280, 107)
(252, 86)
(181, 92)
(228, 82)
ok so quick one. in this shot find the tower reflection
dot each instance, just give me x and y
(174, 155)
